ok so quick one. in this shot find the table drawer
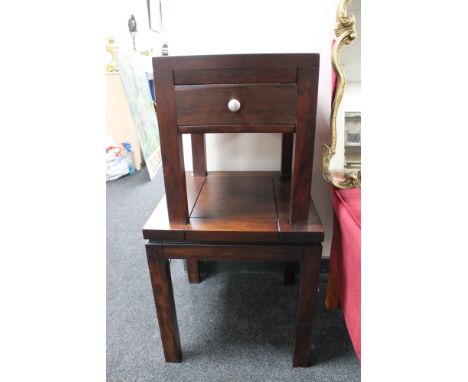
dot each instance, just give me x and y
(260, 104)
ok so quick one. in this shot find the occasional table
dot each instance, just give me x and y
(236, 216)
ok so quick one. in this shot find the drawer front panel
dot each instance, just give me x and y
(260, 104)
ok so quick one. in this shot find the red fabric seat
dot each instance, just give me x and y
(345, 258)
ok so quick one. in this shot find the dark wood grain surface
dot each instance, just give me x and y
(236, 129)
(202, 101)
(161, 282)
(241, 197)
(193, 271)
(232, 216)
(172, 151)
(309, 231)
(198, 154)
(238, 61)
(158, 226)
(233, 252)
(287, 144)
(237, 206)
(307, 294)
(235, 76)
(229, 229)
(261, 104)
(307, 87)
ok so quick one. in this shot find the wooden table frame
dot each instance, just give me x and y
(159, 253)
(181, 81)
(229, 216)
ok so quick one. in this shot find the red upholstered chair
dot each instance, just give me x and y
(344, 283)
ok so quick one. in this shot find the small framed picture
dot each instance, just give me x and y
(353, 138)
(352, 129)
(154, 15)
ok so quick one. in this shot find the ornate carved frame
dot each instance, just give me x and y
(345, 32)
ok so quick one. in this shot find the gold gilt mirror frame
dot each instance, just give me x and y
(345, 32)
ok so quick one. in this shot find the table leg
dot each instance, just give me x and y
(332, 298)
(308, 284)
(289, 272)
(193, 271)
(160, 274)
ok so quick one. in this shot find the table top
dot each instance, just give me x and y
(236, 206)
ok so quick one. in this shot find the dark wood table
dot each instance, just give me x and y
(248, 216)
(235, 216)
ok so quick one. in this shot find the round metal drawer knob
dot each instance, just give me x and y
(234, 105)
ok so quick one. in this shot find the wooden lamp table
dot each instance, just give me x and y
(236, 216)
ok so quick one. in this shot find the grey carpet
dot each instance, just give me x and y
(233, 326)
